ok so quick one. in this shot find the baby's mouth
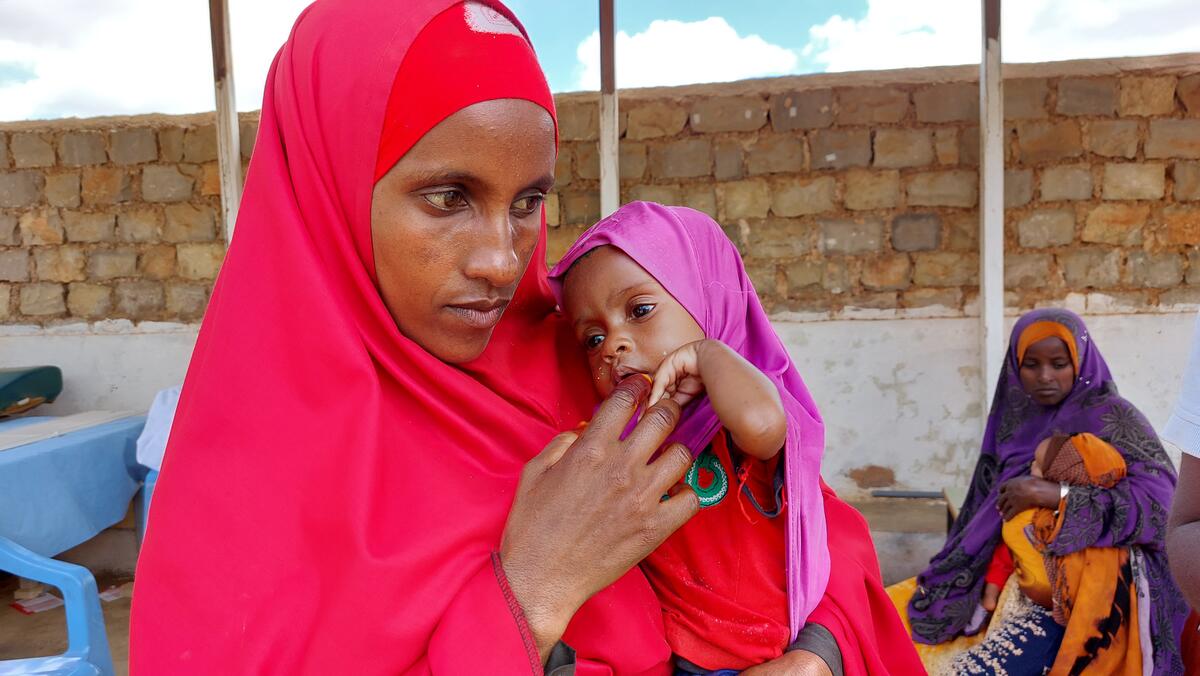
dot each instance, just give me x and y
(622, 372)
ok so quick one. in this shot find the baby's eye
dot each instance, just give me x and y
(642, 309)
(593, 342)
(528, 204)
(446, 200)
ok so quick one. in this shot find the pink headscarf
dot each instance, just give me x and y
(688, 254)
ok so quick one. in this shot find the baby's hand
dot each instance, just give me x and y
(991, 595)
(678, 377)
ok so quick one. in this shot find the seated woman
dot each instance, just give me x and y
(1054, 382)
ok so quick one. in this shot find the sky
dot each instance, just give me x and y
(63, 58)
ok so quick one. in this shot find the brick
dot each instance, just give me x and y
(89, 301)
(165, 184)
(553, 217)
(157, 262)
(872, 189)
(133, 146)
(729, 113)
(916, 232)
(631, 160)
(60, 264)
(811, 109)
(1112, 138)
(1087, 96)
(899, 148)
(200, 144)
(871, 105)
(887, 273)
(14, 265)
(948, 102)
(579, 122)
(139, 299)
(802, 274)
(776, 153)
(1189, 296)
(42, 300)
(1018, 187)
(112, 263)
(952, 188)
(662, 194)
(1025, 99)
(30, 150)
(579, 208)
(801, 198)
(656, 119)
(838, 276)
(1134, 181)
(968, 147)
(186, 301)
(62, 190)
(10, 235)
(1154, 270)
(106, 185)
(558, 240)
(1028, 270)
(838, 149)
(946, 145)
(727, 160)
(944, 268)
(139, 225)
(20, 188)
(1048, 141)
(4, 160)
(210, 180)
(701, 198)
(962, 231)
(199, 261)
(777, 238)
(41, 227)
(1069, 182)
(170, 144)
(1193, 273)
(846, 236)
(1181, 225)
(1119, 224)
(247, 136)
(1091, 267)
(1046, 227)
(86, 227)
(1187, 181)
(765, 278)
(918, 298)
(78, 149)
(562, 168)
(6, 307)
(744, 199)
(1174, 138)
(1147, 96)
(686, 158)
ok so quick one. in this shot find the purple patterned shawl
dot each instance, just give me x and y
(1131, 514)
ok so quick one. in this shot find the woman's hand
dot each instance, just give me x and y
(1025, 492)
(678, 376)
(589, 507)
(795, 663)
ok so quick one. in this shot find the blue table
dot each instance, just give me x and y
(58, 493)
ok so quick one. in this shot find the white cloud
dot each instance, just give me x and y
(902, 33)
(61, 58)
(677, 52)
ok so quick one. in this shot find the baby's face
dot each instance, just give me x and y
(624, 319)
(1039, 459)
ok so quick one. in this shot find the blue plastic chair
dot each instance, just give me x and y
(87, 642)
(142, 504)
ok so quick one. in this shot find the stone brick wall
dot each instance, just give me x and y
(844, 192)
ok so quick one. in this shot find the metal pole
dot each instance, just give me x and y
(610, 182)
(228, 145)
(991, 208)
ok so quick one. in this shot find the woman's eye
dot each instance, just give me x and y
(525, 206)
(593, 342)
(446, 200)
(1062, 365)
(642, 309)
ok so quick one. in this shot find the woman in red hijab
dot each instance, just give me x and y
(353, 483)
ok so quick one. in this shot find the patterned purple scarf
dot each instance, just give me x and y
(1131, 514)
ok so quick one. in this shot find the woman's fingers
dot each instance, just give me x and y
(551, 454)
(669, 467)
(616, 411)
(676, 510)
(651, 431)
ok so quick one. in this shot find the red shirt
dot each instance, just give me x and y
(721, 578)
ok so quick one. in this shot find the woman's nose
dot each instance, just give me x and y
(492, 255)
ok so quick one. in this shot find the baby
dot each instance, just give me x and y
(660, 292)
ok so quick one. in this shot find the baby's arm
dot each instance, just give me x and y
(744, 399)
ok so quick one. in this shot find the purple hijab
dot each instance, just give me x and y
(688, 254)
(1131, 514)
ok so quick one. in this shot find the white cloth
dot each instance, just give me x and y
(1183, 429)
(152, 443)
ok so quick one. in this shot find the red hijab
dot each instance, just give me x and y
(332, 494)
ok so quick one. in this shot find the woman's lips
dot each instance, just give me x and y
(480, 314)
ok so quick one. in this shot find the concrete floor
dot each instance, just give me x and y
(45, 633)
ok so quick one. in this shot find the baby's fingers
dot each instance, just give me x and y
(663, 379)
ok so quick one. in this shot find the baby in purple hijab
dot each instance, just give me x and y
(661, 292)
